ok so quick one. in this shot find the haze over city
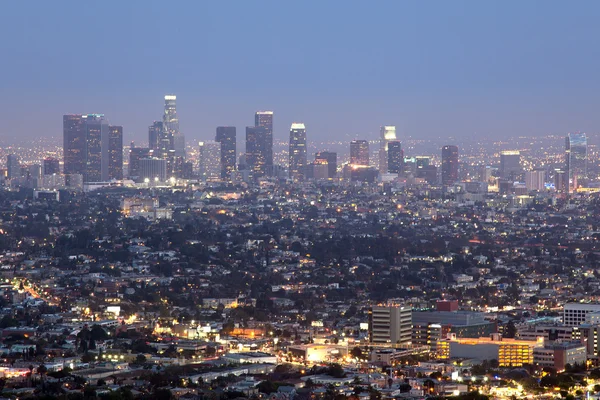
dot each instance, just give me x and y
(435, 70)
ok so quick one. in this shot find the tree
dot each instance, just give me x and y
(140, 359)
(511, 330)
(356, 353)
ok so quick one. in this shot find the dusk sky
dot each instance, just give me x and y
(433, 68)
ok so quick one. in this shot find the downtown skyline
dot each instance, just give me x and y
(451, 71)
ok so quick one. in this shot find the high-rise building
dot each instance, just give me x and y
(13, 167)
(96, 131)
(265, 119)
(297, 153)
(226, 135)
(115, 153)
(390, 324)
(359, 152)
(171, 126)
(135, 155)
(74, 145)
(51, 166)
(449, 164)
(210, 161)
(331, 159)
(561, 181)
(155, 133)
(257, 150)
(510, 164)
(535, 180)
(395, 156)
(386, 135)
(576, 159)
(421, 165)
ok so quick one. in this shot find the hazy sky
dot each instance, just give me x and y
(433, 68)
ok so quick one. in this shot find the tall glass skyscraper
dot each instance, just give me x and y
(155, 132)
(96, 131)
(359, 152)
(395, 157)
(386, 135)
(576, 159)
(226, 135)
(449, 164)
(297, 153)
(115, 153)
(73, 144)
(258, 150)
(264, 119)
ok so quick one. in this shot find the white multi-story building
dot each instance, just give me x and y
(210, 161)
(575, 314)
(391, 323)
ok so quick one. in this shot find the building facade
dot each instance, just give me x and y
(359, 152)
(297, 151)
(226, 136)
(449, 164)
(115, 153)
(390, 324)
(210, 161)
(386, 135)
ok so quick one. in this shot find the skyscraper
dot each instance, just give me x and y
(395, 156)
(265, 119)
(331, 159)
(386, 135)
(210, 161)
(115, 153)
(576, 159)
(359, 152)
(510, 164)
(155, 132)
(171, 127)
(13, 167)
(96, 133)
(297, 153)
(73, 144)
(449, 164)
(226, 135)
(51, 166)
(257, 150)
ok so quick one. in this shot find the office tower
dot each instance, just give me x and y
(265, 119)
(257, 150)
(51, 166)
(153, 170)
(96, 132)
(297, 153)
(155, 133)
(535, 180)
(510, 164)
(35, 173)
(171, 127)
(226, 135)
(395, 156)
(576, 159)
(73, 144)
(115, 153)
(449, 164)
(13, 167)
(390, 324)
(331, 159)
(135, 155)
(421, 164)
(485, 173)
(210, 161)
(386, 135)
(359, 152)
(561, 180)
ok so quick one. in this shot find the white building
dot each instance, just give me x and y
(390, 323)
(575, 314)
(210, 161)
